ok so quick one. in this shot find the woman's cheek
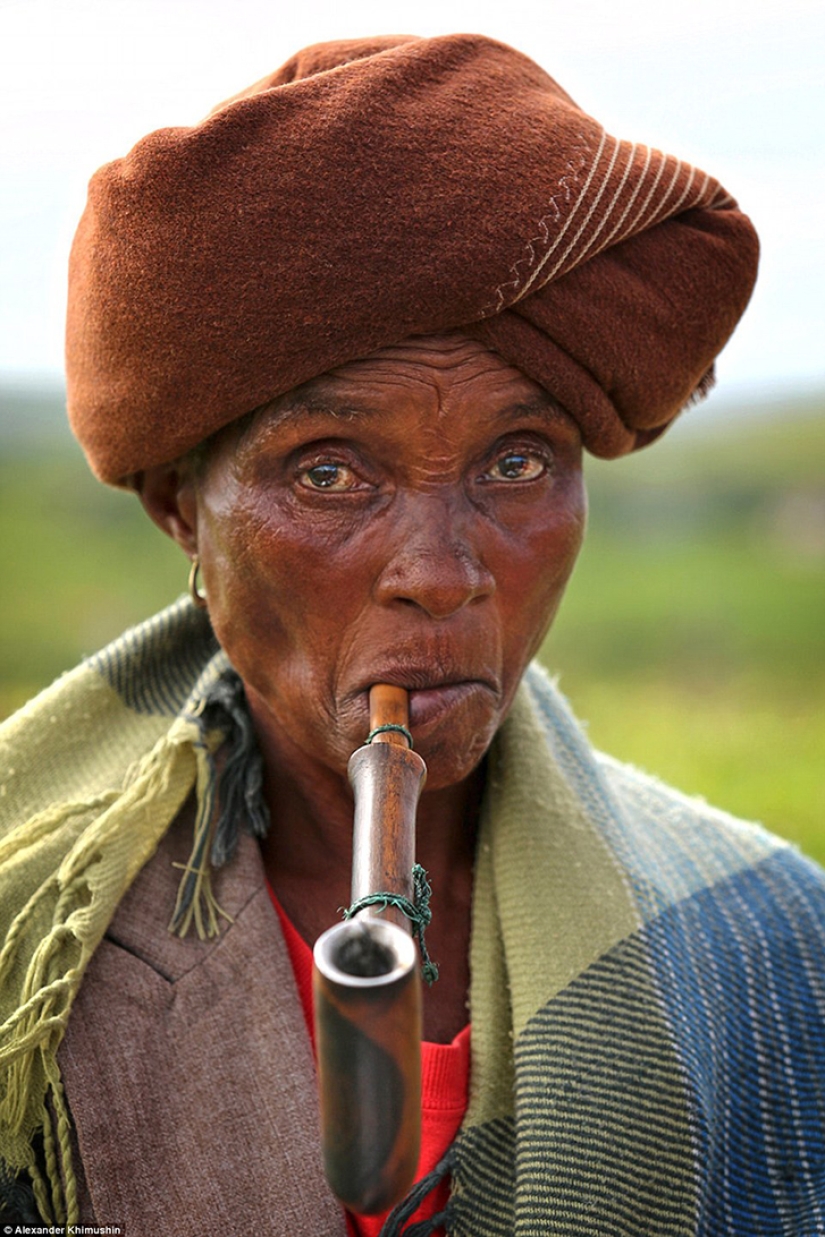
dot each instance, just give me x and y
(539, 555)
(533, 578)
(276, 594)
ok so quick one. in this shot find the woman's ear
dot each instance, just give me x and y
(167, 492)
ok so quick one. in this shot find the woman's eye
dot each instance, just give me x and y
(517, 466)
(335, 477)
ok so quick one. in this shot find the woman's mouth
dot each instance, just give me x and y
(430, 705)
(427, 705)
(436, 694)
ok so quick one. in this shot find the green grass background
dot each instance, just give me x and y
(690, 642)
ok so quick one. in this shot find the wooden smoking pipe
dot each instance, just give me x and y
(366, 981)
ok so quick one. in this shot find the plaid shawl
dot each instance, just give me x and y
(648, 991)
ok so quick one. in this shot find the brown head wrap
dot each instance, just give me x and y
(373, 190)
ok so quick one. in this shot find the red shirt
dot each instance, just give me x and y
(445, 1078)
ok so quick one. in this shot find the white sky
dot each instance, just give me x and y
(736, 86)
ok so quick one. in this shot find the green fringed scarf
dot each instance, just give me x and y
(92, 773)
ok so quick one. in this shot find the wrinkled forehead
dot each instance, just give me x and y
(449, 376)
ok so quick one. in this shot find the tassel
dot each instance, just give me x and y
(240, 788)
(424, 1228)
(196, 899)
(223, 719)
(409, 1205)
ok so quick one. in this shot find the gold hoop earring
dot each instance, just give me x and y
(198, 597)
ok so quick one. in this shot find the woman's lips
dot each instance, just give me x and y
(429, 705)
(432, 697)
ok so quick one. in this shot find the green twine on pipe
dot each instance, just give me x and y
(396, 726)
(418, 912)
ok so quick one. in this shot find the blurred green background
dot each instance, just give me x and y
(691, 639)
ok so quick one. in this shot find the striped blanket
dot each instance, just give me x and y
(660, 1065)
(648, 987)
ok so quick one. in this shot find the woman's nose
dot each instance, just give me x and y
(434, 564)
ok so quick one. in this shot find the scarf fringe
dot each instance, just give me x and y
(196, 900)
(403, 1211)
(223, 802)
(95, 873)
(100, 844)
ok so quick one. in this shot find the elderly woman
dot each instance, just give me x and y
(346, 339)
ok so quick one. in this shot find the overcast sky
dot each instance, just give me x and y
(734, 86)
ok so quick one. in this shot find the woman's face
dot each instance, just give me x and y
(412, 519)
